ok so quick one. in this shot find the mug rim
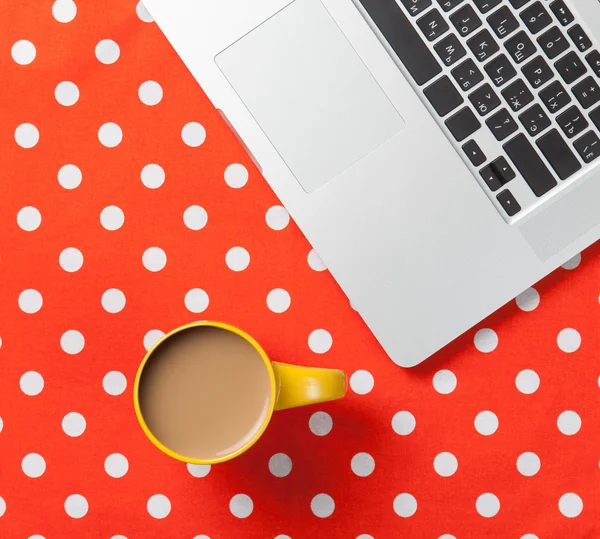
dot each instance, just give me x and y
(136, 401)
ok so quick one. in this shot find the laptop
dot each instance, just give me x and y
(440, 155)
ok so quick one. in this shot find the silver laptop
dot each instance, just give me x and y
(440, 155)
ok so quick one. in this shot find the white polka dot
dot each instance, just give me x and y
(315, 262)
(2, 506)
(403, 423)
(322, 505)
(486, 340)
(158, 506)
(142, 13)
(283, 537)
(153, 176)
(198, 470)
(277, 217)
(237, 259)
(29, 218)
(73, 424)
(33, 465)
(30, 301)
(445, 464)
(570, 505)
(70, 259)
(116, 465)
(236, 175)
(31, 383)
(107, 51)
(66, 93)
(114, 383)
(196, 300)
(364, 536)
(486, 423)
(112, 218)
(1, 424)
(113, 300)
(193, 134)
(528, 464)
(152, 337)
(447, 536)
(320, 341)
(241, 506)
(154, 259)
(42, 537)
(320, 423)
(405, 505)
(527, 381)
(76, 506)
(362, 464)
(573, 262)
(195, 217)
(202, 537)
(569, 340)
(27, 135)
(150, 93)
(110, 135)
(64, 10)
(569, 423)
(23, 52)
(444, 381)
(69, 176)
(488, 505)
(72, 342)
(278, 300)
(118, 537)
(528, 300)
(280, 465)
(529, 536)
(362, 382)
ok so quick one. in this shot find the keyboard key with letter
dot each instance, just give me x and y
(558, 154)
(467, 75)
(502, 124)
(485, 5)
(500, 70)
(537, 72)
(517, 95)
(520, 47)
(572, 122)
(450, 50)
(484, 99)
(503, 22)
(465, 20)
(433, 25)
(555, 97)
(588, 147)
(415, 7)
(463, 124)
(483, 45)
(448, 5)
(535, 120)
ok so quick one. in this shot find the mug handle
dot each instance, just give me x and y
(299, 386)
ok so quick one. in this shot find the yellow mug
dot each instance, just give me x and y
(291, 386)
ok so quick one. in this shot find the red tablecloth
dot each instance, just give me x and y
(128, 208)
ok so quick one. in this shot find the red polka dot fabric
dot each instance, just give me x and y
(128, 208)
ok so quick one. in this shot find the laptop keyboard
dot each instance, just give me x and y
(513, 83)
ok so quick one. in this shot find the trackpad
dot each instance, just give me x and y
(310, 92)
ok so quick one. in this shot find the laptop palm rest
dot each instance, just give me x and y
(310, 92)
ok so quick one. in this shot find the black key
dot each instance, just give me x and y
(570, 67)
(484, 99)
(443, 96)
(534, 120)
(530, 165)
(502, 124)
(518, 3)
(572, 122)
(503, 170)
(474, 153)
(558, 154)
(536, 18)
(414, 7)
(450, 50)
(404, 39)
(561, 12)
(508, 203)
(555, 97)
(463, 124)
(500, 70)
(517, 95)
(587, 92)
(593, 60)
(588, 146)
(490, 178)
(595, 117)
(433, 25)
(553, 42)
(448, 5)
(503, 22)
(580, 38)
(485, 5)
(483, 45)
(467, 75)
(520, 47)
(465, 20)
(537, 72)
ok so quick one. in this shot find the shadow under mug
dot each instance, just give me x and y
(291, 386)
